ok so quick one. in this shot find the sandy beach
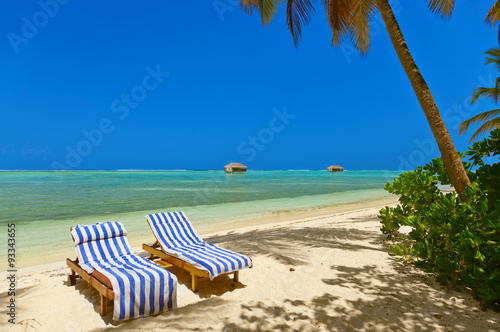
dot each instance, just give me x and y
(312, 272)
(274, 129)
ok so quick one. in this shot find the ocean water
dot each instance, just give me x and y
(45, 204)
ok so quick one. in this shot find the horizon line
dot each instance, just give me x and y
(181, 170)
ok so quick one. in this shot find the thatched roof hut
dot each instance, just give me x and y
(335, 168)
(235, 168)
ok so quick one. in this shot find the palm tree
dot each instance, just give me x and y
(490, 119)
(351, 19)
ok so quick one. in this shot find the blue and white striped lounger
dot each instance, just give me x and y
(182, 246)
(140, 286)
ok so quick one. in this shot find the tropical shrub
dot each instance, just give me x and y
(456, 237)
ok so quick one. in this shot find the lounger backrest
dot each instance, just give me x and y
(173, 229)
(100, 242)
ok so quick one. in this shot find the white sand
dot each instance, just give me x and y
(344, 280)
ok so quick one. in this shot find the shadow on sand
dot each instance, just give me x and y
(391, 298)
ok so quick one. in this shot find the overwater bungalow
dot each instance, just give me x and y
(235, 168)
(335, 168)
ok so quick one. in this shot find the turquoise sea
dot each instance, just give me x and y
(45, 204)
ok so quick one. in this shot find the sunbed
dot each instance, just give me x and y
(178, 243)
(105, 260)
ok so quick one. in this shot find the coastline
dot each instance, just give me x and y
(40, 262)
(321, 272)
(213, 201)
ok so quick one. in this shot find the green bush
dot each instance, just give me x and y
(456, 237)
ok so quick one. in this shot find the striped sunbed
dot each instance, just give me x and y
(181, 246)
(140, 286)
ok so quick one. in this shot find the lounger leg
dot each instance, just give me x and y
(194, 279)
(104, 304)
(71, 280)
(236, 276)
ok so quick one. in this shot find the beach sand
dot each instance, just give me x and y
(312, 272)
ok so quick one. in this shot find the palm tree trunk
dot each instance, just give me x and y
(452, 162)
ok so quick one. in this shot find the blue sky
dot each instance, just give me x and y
(166, 85)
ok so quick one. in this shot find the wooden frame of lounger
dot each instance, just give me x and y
(154, 251)
(97, 280)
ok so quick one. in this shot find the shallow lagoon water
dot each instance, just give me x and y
(45, 204)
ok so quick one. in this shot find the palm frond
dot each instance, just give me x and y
(493, 17)
(338, 16)
(496, 90)
(249, 6)
(442, 8)
(493, 14)
(298, 14)
(486, 128)
(485, 116)
(485, 93)
(267, 8)
(494, 57)
(362, 13)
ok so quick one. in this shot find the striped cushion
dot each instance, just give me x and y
(178, 239)
(174, 228)
(98, 231)
(102, 241)
(141, 287)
